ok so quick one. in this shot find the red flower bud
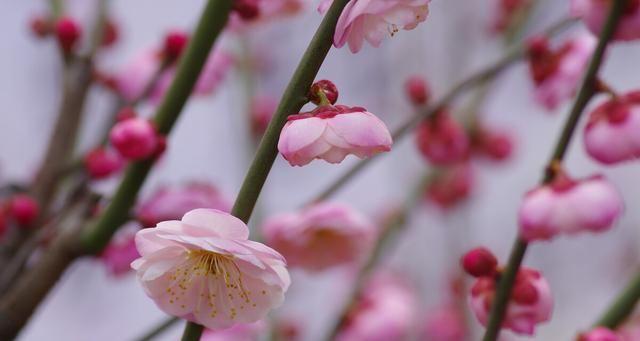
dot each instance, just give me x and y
(325, 86)
(479, 262)
(102, 162)
(68, 33)
(23, 209)
(174, 44)
(417, 90)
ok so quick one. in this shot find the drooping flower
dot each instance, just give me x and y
(442, 140)
(205, 270)
(385, 310)
(331, 133)
(239, 332)
(320, 236)
(531, 302)
(171, 203)
(612, 134)
(135, 138)
(568, 206)
(557, 72)
(600, 334)
(372, 20)
(445, 323)
(451, 186)
(121, 251)
(594, 14)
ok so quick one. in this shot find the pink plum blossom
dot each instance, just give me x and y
(594, 14)
(120, 252)
(600, 334)
(135, 138)
(372, 20)
(531, 301)
(557, 73)
(385, 310)
(171, 203)
(445, 323)
(205, 270)
(320, 236)
(613, 132)
(567, 206)
(331, 133)
(442, 140)
(239, 332)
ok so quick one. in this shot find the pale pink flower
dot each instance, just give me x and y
(600, 334)
(442, 140)
(121, 251)
(594, 14)
(320, 236)
(205, 270)
(331, 133)
(445, 323)
(557, 73)
(385, 310)
(372, 20)
(613, 132)
(239, 332)
(171, 203)
(567, 206)
(531, 301)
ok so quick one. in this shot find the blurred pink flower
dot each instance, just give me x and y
(205, 270)
(135, 138)
(320, 236)
(171, 203)
(102, 162)
(417, 90)
(556, 73)
(567, 206)
(600, 334)
(239, 332)
(120, 252)
(442, 140)
(451, 185)
(262, 110)
(385, 310)
(505, 12)
(613, 132)
(594, 14)
(494, 144)
(331, 133)
(372, 20)
(445, 323)
(531, 301)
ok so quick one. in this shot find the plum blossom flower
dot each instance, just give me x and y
(594, 15)
(385, 310)
(205, 270)
(531, 301)
(600, 334)
(612, 134)
(121, 251)
(567, 206)
(171, 203)
(239, 332)
(442, 140)
(331, 133)
(372, 20)
(556, 73)
(320, 236)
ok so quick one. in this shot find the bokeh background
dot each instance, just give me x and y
(211, 142)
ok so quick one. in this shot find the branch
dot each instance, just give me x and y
(31, 288)
(514, 54)
(622, 306)
(586, 92)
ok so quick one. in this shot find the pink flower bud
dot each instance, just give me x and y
(262, 110)
(174, 43)
(442, 140)
(126, 113)
(493, 144)
(320, 236)
(327, 88)
(247, 9)
(110, 34)
(506, 12)
(171, 203)
(451, 186)
(331, 133)
(479, 262)
(600, 334)
(417, 90)
(594, 14)
(40, 26)
(135, 138)
(533, 306)
(102, 162)
(68, 33)
(373, 20)
(568, 206)
(613, 132)
(557, 73)
(23, 209)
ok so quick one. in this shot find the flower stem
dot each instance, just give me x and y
(586, 92)
(514, 54)
(622, 306)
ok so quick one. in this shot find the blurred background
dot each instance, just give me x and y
(211, 142)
